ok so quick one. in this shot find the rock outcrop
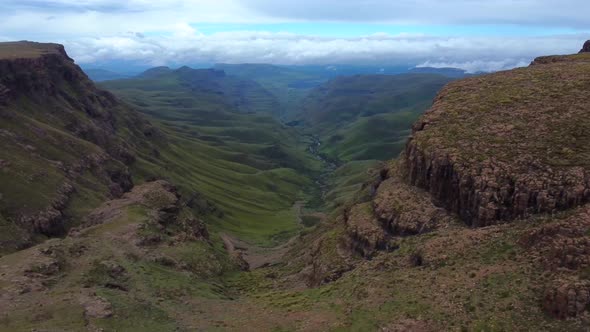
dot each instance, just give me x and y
(507, 145)
(60, 136)
(396, 210)
(562, 249)
(586, 47)
(492, 149)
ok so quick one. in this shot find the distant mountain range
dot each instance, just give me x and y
(310, 76)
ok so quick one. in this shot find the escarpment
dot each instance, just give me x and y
(586, 47)
(507, 145)
(62, 95)
(61, 140)
(491, 150)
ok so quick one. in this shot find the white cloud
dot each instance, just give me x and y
(475, 66)
(186, 45)
(167, 31)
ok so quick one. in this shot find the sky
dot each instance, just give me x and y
(474, 35)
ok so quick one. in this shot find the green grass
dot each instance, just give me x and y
(133, 314)
(476, 110)
(19, 50)
(56, 316)
(367, 117)
(346, 182)
(249, 166)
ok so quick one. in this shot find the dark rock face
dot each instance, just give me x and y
(567, 299)
(586, 47)
(562, 250)
(483, 195)
(50, 222)
(95, 133)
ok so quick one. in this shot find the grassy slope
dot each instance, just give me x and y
(552, 96)
(249, 165)
(469, 280)
(39, 141)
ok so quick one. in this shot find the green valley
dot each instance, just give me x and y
(279, 198)
(248, 164)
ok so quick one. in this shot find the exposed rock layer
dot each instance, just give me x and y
(60, 136)
(507, 145)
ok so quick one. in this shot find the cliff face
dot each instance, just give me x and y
(586, 47)
(508, 151)
(507, 145)
(61, 140)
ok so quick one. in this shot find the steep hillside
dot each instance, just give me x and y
(91, 236)
(482, 224)
(65, 145)
(248, 164)
(68, 146)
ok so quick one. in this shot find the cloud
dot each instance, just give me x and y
(166, 31)
(187, 46)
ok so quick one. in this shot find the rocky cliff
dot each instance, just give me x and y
(586, 47)
(508, 151)
(507, 145)
(61, 140)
